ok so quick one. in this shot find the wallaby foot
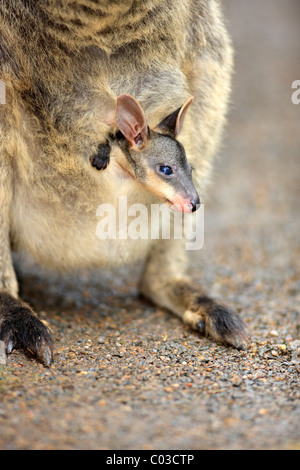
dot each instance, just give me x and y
(102, 157)
(21, 329)
(213, 319)
(200, 312)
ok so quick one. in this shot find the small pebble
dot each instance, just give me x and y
(263, 411)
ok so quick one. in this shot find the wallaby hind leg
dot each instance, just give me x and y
(165, 282)
(19, 326)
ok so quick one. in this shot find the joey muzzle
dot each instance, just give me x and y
(187, 203)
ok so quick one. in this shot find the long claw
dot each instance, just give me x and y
(45, 355)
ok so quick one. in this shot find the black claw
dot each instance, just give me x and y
(201, 326)
(45, 355)
(10, 346)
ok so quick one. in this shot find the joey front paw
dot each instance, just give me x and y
(21, 329)
(102, 157)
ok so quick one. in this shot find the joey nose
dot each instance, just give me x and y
(195, 203)
(185, 203)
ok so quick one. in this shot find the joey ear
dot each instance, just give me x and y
(131, 121)
(181, 115)
(174, 122)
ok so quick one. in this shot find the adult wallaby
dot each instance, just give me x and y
(64, 63)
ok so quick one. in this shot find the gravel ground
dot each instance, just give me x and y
(128, 375)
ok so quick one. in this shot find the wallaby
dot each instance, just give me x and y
(157, 159)
(64, 65)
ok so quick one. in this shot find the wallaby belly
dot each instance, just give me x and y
(83, 223)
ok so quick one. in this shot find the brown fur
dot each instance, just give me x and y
(64, 63)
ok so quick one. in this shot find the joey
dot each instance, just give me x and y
(156, 158)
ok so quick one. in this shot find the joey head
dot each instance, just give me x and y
(156, 158)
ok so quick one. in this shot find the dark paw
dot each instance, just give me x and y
(217, 321)
(102, 157)
(21, 329)
(226, 326)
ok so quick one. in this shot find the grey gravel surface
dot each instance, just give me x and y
(128, 375)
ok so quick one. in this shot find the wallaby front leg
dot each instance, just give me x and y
(165, 282)
(102, 158)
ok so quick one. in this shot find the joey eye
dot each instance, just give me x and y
(166, 170)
